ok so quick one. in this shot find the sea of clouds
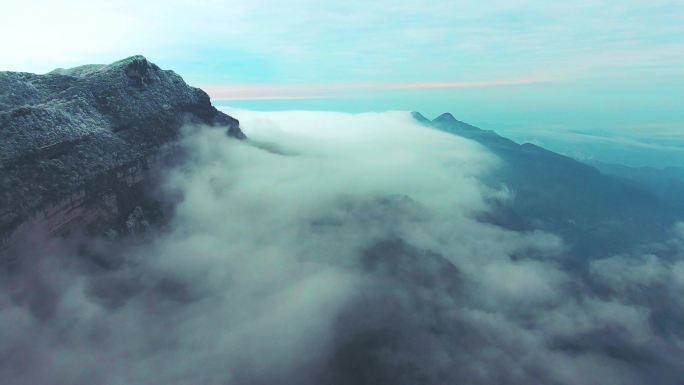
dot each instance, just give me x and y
(334, 248)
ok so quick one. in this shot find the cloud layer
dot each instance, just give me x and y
(338, 248)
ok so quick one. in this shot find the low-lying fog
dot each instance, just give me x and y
(335, 248)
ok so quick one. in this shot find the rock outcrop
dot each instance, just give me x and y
(76, 143)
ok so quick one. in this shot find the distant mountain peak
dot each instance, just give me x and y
(444, 120)
(448, 122)
(420, 117)
(445, 117)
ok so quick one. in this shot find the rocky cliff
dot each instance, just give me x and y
(76, 144)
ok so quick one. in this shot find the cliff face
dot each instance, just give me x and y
(75, 144)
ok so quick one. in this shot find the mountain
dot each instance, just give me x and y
(666, 183)
(76, 144)
(597, 213)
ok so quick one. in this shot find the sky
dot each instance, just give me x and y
(557, 73)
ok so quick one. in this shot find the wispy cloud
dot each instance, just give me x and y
(310, 91)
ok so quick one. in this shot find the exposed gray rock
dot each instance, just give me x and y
(78, 134)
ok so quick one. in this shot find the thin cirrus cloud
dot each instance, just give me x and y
(314, 91)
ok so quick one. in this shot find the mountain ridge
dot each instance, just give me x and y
(553, 192)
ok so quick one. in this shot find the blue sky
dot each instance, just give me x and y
(532, 69)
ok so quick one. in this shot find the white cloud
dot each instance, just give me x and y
(328, 240)
(314, 41)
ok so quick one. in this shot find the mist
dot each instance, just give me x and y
(335, 248)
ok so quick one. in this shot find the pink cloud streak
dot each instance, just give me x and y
(314, 91)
